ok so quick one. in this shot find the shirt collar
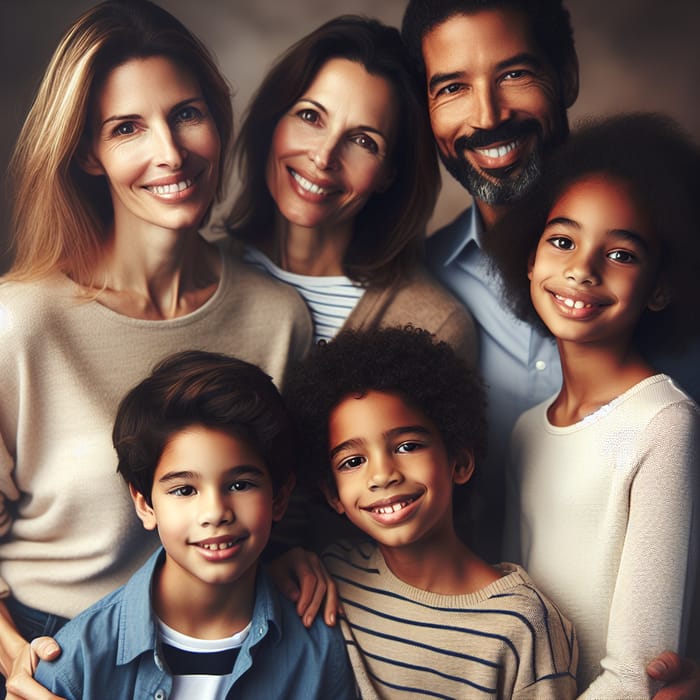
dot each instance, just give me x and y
(138, 632)
(466, 228)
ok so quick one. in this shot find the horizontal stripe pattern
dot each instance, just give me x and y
(330, 299)
(504, 641)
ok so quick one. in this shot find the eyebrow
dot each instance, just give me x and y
(623, 233)
(391, 433)
(361, 127)
(234, 473)
(525, 58)
(128, 117)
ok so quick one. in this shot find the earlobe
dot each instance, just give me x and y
(85, 158)
(463, 467)
(570, 81)
(332, 498)
(143, 510)
(530, 265)
(281, 498)
(660, 298)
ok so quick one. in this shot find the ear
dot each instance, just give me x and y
(569, 81)
(281, 499)
(530, 265)
(386, 181)
(660, 298)
(332, 498)
(143, 510)
(86, 159)
(463, 467)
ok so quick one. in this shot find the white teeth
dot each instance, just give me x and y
(573, 304)
(498, 151)
(393, 508)
(171, 189)
(308, 185)
(216, 546)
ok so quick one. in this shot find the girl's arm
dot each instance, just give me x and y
(655, 583)
(301, 576)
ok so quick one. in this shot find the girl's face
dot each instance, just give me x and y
(331, 150)
(156, 143)
(596, 266)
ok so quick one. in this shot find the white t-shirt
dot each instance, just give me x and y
(199, 666)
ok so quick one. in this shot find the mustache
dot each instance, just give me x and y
(507, 131)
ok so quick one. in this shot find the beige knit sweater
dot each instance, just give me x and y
(70, 533)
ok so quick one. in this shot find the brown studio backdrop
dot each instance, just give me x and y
(634, 54)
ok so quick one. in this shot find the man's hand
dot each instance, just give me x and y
(682, 676)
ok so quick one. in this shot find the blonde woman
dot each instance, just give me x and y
(116, 168)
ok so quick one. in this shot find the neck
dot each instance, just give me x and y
(310, 251)
(203, 610)
(159, 274)
(490, 214)
(593, 376)
(444, 565)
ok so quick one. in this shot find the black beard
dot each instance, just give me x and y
(500, 187)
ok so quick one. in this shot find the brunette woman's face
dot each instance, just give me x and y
(332, 149)
(156, 143)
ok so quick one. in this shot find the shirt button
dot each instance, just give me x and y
(160, 694)
(540, 365)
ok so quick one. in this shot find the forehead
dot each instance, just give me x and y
(346, 87)
(604, 202)
(144, 79)
(372, 413)
(478, 41)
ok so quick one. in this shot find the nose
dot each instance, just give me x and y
(383, 473)
(324, 153)
(582, 269)
(486, 107)
(215, 509)
(168, 151)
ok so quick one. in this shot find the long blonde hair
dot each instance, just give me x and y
(61, 214)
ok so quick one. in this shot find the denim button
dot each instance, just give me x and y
(160, 694)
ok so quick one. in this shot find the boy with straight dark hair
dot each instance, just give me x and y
(390, 422)
(206, 448)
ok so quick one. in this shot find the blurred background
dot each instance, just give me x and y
(634, 54)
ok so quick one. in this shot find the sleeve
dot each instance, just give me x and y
(9, 410)
(547, 651)
(459, 331)
(655, 583)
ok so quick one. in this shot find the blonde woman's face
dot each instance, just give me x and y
(157, 145)
(331, 150)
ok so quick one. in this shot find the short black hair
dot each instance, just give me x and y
(407, 362)
(661, 164)
(201, 388)
(549, 22)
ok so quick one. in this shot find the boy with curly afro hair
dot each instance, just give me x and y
(390, 421)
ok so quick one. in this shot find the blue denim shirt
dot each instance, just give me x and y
(110, 651)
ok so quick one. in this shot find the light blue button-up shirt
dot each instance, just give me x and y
(520, 366)
(110, 651)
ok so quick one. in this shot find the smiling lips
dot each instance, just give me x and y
(309, 186)
(394, 507)
(497, 151)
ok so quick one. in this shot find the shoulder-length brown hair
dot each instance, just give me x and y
(389, 230)
(61, 214)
